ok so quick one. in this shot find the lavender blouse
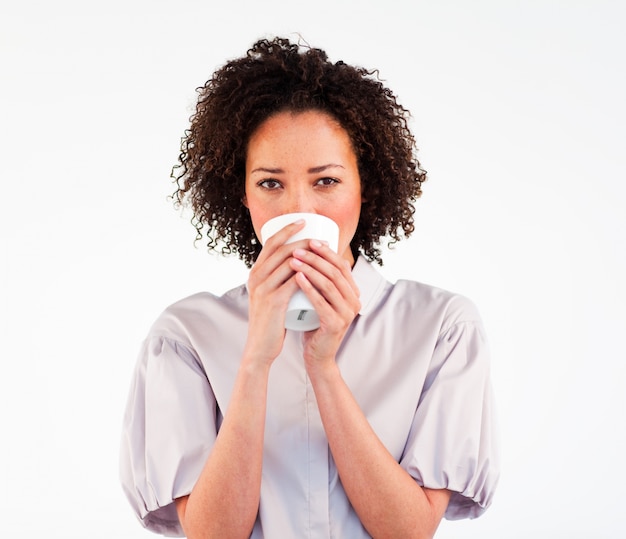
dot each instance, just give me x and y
(415, 359)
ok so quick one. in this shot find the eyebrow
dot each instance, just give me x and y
(322, 168)
(312, 170)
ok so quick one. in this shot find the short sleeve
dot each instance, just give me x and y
(168, 430)
(453, 440)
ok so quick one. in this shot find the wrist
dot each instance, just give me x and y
(255, 363)
(322, 371)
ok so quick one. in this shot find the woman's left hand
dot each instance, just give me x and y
(326, 279)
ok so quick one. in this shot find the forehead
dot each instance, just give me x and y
(297, 132)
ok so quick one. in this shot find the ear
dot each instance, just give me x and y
(244, 201)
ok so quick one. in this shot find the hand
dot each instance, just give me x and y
(270, 285)
(326, 279)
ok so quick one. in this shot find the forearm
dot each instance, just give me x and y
(225, 500)
(386, 498)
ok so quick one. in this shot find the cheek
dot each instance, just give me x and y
(258, 220)
(351, 211)
(348, 221)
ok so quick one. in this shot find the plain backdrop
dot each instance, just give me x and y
(519, 112)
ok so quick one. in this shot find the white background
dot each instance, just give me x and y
(519, 111)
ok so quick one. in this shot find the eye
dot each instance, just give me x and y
(269, 184)
(327, 182)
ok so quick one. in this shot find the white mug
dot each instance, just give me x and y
(300, 314)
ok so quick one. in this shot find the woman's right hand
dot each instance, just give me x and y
(225, 498)
(270, 286)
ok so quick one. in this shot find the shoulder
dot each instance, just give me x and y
(418, 304)
(419, 312)
(201, 314)
(451, 307)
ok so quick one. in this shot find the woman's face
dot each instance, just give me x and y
(303, 162)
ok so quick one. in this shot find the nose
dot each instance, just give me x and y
(300, 201)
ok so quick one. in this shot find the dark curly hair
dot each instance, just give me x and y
(274, 76)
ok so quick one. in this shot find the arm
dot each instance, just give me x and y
(387, 499)
(225, 500)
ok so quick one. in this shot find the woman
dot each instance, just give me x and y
(376, 424)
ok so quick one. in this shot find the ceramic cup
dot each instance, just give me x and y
(300, 313)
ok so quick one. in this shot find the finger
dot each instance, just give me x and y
(333, 309)
(325, 284)
(280, 238)
(323, 250)
(273, 271)
(274, 253)
(328, 263)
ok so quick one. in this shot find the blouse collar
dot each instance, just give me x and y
(370, 284)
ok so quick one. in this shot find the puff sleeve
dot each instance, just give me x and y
(453, 440)
(168, 430)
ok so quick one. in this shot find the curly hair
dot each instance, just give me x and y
(275, 76)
